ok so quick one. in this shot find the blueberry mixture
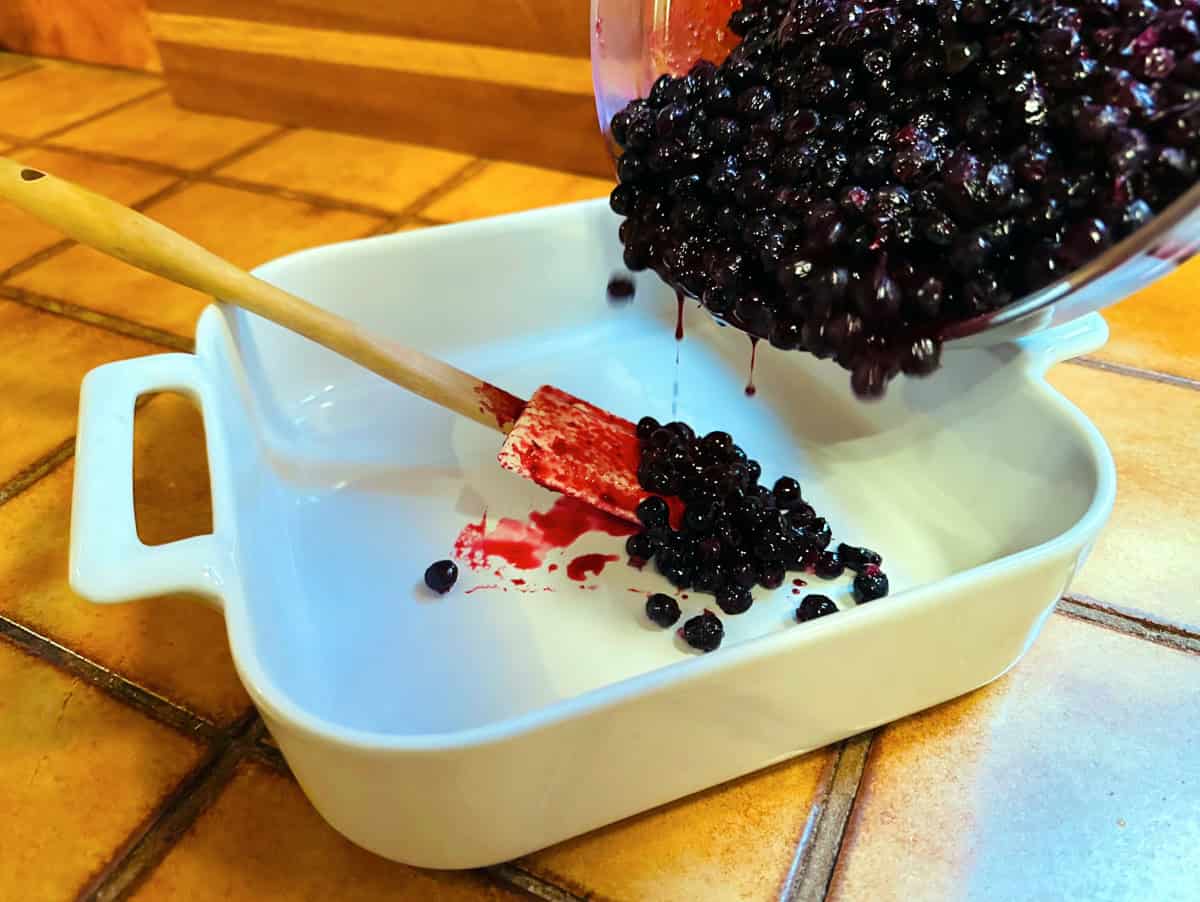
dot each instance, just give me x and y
(441, 576)
(856, 177)
(735, 534)
(815, 606)
(662, 610)
(703, 632)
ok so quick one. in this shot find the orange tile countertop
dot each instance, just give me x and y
(131, 760)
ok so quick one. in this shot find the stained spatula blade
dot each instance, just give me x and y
(565, 444)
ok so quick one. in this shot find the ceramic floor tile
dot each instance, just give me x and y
(383, 174)
(11, 63)
(43, 359)
(261, 839)
(1145, 558)
(734, 842)
(157, 130)
(1074, 777)
(1159, 328)
(174, 646)
(509, 187)
(243, 226)
(57, 94)
(79, 770)
(24, 235)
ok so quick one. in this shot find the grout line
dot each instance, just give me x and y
(147, 846)
(315, 200)
(44, 466)
(1139, 625)
(87, 120)
(1122, 369)
(66, 244)
(30, 66)
(64, 659)
(246, 149)
(270, 756)
(518, 877)
(47, 464)
(468, 172)
(388, 226)
(95, 319)
(37, 258)
(115, 159)
(817, 854)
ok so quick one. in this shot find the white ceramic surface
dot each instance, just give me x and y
(469, 729)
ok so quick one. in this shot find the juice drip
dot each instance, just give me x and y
(751, 391)
(675, 388)
(679, 316)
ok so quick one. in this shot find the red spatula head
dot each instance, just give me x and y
(570, 446)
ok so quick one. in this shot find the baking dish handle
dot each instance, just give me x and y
(1042, 350)
(108, 562)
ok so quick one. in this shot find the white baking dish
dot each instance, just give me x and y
(466, 730)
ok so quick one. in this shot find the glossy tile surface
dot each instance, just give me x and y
(508, 187)
(1159, 327)
(1144, 559)
(245, 227)
(359, 170)
(157, 130)
(733, 842)
(175, 646)
(1074, 777)
(43, 359)
(80, 771)
(56, 95)
(24, 235)
(262, 840)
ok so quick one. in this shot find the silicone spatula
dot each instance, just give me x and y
(555, 439)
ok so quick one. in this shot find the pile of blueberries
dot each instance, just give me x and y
(856, 177)
(735, 534)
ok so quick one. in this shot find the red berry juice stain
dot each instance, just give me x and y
(585, 564)
(751, 391)
(553, 567)
(499, 404)
(475, 589)
(795, 591)
(799, 582)
(518, 582)
(525, 545)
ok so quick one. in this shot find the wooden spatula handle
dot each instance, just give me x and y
(116, 230)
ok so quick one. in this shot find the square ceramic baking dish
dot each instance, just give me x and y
(468, 729)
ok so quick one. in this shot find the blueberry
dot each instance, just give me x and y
(703, 632)
(814, 606)
(771, 576)
(640, 547)
(646, 427)
(828, 566)
(734, 599)
(858, 559)
(662, 610)
(653, 512)
(870, 584)
(441, 576)
(787, 492)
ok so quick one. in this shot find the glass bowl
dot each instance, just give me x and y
(635, 41)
